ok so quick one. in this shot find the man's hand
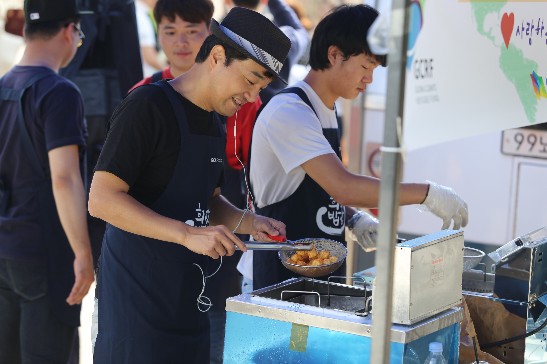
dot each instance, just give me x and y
(363, 229)
(214, 241)
(264, 226)
(84, 277)
(446, 204)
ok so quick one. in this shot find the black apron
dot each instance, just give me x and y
(308, 213)
(29, 213)
(148, 288)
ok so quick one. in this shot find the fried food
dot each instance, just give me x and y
(312, 258)
(323, 254)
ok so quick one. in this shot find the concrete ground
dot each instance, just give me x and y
(86, 355)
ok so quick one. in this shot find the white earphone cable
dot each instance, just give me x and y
(204, 303)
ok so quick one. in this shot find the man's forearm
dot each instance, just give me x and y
(69, 195)
(123, 211)
(224, 213)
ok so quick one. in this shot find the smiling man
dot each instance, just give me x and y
(157, 185)
(298, 177)
(183, 26)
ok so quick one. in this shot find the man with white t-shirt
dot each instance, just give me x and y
(296, 172)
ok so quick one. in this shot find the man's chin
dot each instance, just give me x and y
(226, 113)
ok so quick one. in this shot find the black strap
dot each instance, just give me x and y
(16, 95)
(301, 93)
(289, 90)
(156, 77)
(181, 116)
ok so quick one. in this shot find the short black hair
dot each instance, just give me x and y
(345, 27)
(192, 11)
(231, 52)
(48, 29)
(249, 4)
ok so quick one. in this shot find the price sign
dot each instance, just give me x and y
(525, 143)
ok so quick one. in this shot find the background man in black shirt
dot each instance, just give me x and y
(46, 266)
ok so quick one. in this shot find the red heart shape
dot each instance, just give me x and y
(507, 23)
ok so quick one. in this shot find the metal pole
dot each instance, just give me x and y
(389, 188)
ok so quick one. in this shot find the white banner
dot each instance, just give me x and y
(474, 67)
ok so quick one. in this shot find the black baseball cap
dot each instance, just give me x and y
(39, 11)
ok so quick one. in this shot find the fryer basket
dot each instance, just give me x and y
(334, 247)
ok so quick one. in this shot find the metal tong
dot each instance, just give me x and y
(282, 244)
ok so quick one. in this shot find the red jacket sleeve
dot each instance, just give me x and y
(238, 146)
(145, 81)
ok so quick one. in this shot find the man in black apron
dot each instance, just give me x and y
(296, 172)
(157, 186)
(46, 267)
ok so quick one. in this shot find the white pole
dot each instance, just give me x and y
(389, 190)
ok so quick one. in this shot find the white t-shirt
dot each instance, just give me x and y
(147, 34)
(287, 134)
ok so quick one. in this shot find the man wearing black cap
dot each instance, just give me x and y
(45, 256)
(156, 185)
(286, 19)
(302, 170)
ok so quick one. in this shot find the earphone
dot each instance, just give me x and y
(204, 303)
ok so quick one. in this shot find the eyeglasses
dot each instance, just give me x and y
(81, 34)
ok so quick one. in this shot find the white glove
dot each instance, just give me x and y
(363, 229)
(446, 204)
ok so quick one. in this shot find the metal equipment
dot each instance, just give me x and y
(304, 320)
(428, 276)
(518, 280)
(334, 248)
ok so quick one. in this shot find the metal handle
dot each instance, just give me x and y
(253, 245)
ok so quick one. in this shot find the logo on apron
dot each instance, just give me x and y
(331, 219)
(201, 219)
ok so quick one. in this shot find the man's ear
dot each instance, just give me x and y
(334, 54)
(67, 33)
(217, 55)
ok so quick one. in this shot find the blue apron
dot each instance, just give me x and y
(148, 288)
(308, 213)
(28, 212)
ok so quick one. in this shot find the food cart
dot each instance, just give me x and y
(304, 320)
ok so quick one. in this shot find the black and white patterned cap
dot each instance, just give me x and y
(255, 35)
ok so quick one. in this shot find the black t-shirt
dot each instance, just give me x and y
(53, 112)
(143, 140)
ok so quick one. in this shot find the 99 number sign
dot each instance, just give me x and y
(525, 142)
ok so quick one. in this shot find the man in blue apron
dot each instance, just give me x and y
(156, 184)
(46, 267)
(296, 172)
